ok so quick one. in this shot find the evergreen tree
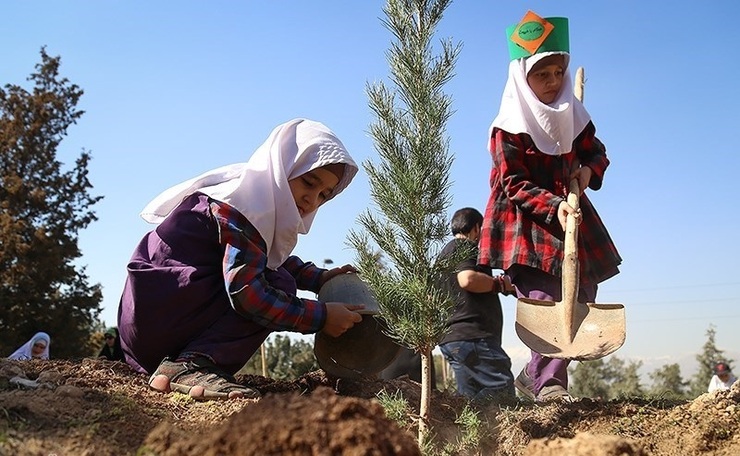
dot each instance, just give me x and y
(410, 185)
(667, 382)
(42, 210)
(709, 356)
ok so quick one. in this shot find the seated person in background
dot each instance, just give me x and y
(112, 348)
(36, 348)
(722, 379)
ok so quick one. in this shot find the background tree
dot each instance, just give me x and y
(667, 382)
(410, 184)
(606, 379)
(625, 379)
(709, 356)
(42, 210)
(589, 379)
(286, 359)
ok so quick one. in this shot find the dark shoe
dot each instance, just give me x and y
(554, 393)
(200, 379)
(525, 385)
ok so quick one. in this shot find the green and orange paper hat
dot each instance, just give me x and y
(534, 34)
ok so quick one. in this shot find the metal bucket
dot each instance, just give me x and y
(363, 350)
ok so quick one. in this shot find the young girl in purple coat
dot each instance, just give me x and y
(216, 276)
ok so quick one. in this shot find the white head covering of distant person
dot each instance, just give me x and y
(25, 351)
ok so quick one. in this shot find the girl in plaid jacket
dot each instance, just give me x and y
(542, 139)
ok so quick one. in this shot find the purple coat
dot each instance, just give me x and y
(175, 301)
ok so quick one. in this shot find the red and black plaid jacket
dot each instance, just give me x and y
(520, 224)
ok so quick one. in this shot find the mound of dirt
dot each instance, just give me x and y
(319, 423)
(90, 406)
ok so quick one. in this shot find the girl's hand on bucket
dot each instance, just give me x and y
(329, 273)
(340, 317)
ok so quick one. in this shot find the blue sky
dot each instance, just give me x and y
(175, 88)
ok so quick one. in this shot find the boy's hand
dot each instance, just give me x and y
(508, 287)
(340, 317)
(328, 274)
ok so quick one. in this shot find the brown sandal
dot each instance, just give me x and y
(200, 379)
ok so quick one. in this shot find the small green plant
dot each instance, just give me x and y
(396, 407)
(470, 432)
(468, 441)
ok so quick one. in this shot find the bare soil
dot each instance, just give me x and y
(95, 407)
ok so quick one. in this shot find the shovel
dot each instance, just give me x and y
(570, 329)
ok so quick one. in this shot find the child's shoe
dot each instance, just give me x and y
(554, 393)
(525, 385)
(200, 378)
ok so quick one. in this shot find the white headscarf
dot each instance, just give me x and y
(259, 188)
(552, 127)
(24, 352)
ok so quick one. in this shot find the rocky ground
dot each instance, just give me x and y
(94, 407)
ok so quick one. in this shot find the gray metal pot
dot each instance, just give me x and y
(363, 350)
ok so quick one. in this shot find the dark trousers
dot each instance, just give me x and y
(482, 368)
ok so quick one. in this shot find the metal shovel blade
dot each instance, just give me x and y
(594, 331)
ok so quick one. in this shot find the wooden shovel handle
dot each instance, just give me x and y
(579, 84)
(570, 251)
